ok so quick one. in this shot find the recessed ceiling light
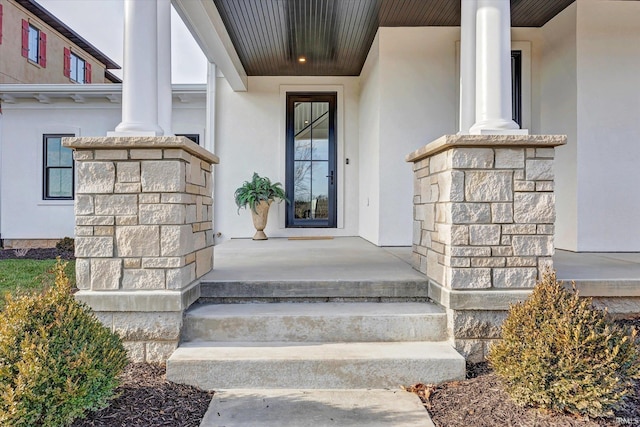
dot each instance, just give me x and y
(302, 60)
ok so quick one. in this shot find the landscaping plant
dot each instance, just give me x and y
(57, 361)
(258, 189)
(560, 353)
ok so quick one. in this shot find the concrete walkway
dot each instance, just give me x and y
(317, 408)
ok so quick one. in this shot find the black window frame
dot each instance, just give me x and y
(46, 168)
(516, 86)
(332, 99)
(195, 137)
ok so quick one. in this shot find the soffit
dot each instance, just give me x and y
(335, 35)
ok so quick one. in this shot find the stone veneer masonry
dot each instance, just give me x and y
(144, 236)
(484, 212)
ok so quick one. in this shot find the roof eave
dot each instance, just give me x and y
(206, 26)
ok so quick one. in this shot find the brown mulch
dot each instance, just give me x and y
(38, 254)
(480, 401)
(148, 399)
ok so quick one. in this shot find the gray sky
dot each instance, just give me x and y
(100, 22)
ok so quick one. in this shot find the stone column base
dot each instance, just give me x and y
(484, 212)
(144, 235)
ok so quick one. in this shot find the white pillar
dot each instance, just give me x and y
(493, 68)
(165, 103)
(140, 77)
(210, 126)
(467, 65)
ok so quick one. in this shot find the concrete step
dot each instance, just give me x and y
(334, 290)
(224, 365)
(309, 322)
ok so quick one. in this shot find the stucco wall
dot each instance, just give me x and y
(590, 78)
(23, 212)
(250, 136)
(369, 163)
(608, 63)
(559, 116)
(418, 104)
(16, 69)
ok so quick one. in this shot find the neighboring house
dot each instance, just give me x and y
(39, 211)
(330, 101)
(36, 47)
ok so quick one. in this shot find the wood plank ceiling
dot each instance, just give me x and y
(334, 36)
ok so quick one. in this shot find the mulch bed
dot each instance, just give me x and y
(38, 254)
(148, 399)
(480, 401)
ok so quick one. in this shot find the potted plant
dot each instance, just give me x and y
(258, 194)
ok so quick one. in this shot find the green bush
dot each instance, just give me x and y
(560, 353)
(67, 244)
(56, 360)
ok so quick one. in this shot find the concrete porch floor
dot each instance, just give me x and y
(355, 259)
(279, 260)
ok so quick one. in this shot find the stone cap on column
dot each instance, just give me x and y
(479, 141)
(124, 142)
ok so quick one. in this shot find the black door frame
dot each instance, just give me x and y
(331, 98)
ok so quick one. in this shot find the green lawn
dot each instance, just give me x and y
(26, 275)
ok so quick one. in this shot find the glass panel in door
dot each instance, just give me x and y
(311, 161)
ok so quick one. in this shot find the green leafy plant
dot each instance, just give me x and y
(67, 244)
(560, 353)
(258, 189)
(57, 361)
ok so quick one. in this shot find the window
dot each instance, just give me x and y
(77, 69)
(34, 44)
(34, 40)
(58, 169)
(192, 136)
(516, 86)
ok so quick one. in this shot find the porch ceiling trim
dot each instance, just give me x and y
(205, 24)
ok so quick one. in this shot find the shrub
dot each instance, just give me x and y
(559, 353)
(67, 244)
(56, 360)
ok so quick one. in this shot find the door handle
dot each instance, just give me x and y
(330, 176)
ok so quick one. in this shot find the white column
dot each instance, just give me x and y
(210, 126)
(140, 77)
(493, 68)
(467, 65)
(165, 103)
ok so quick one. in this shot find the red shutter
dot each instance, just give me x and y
(25, 38)
(66, 67)
(43, 50)
(87, 72)
(0, 23)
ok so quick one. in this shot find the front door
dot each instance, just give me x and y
(311, 159)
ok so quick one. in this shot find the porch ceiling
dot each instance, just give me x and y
(335, 35)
